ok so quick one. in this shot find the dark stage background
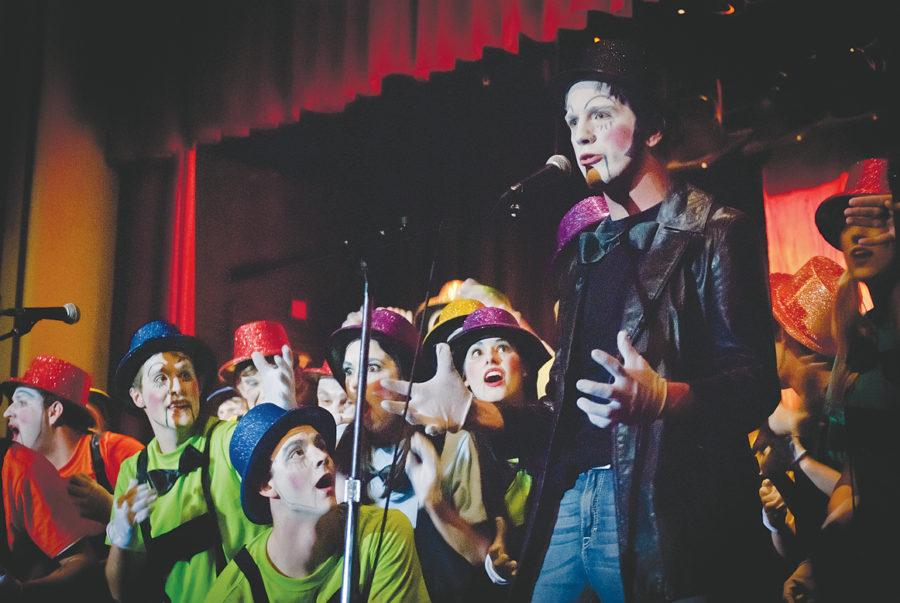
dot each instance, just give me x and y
(286, 173)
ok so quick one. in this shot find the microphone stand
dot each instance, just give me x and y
(350, 575)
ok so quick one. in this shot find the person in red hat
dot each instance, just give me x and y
(661, 370)
(48, 414)
(177, 520)
(45, 553)
(862, 517)
(331, 396)
(268, 337)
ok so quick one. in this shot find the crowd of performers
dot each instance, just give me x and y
(699, 432)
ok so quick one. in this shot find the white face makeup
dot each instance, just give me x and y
(602, 132)
(493, 370)
(28, 423)
(170, 391)
(302, 473)
(247, 383)
(332, 397)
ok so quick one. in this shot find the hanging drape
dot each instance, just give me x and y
(196, 72)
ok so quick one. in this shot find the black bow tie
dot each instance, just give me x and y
(399, 483)
(592, 246)
(164, 479)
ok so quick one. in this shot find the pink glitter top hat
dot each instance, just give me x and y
(584, 215)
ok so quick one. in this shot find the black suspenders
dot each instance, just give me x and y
(251, 571)
(98, 464)
(190, 538)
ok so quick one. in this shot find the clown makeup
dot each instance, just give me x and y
(376, 420)
(169, 393)
(865, 262)
(602, 132)
(302, 473)
(332, 397)
(247, 383)
(493, 371)
(28, 424)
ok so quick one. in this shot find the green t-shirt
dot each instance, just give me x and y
(190, 580)
(398, 575)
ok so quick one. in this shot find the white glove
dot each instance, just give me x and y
(440, 404)
(422, 464)
(276, 381)
(130, 509)
(636, 395)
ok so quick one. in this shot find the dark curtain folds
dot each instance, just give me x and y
(157, 77)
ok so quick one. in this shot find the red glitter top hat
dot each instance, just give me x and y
(313, 374)
(53, 376)
(263, 336)
(802, 303)
(866, 177)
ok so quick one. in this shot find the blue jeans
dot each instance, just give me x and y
(584, 548)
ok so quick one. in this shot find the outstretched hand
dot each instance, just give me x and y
(440, 404)
(276, 381)
(636, 395)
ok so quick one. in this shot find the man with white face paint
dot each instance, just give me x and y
(177, 519)
(48, 413)
(288, 483)
(662, 367)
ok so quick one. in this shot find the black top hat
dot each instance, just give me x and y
(620, 62)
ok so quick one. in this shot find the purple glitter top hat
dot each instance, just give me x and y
(585, 214)
(497, 322)
(387, 326)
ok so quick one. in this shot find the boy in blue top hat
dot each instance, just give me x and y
(287, 480)
(177, 518)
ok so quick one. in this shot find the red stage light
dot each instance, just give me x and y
(298, 309)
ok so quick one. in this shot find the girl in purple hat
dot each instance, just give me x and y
(440, 493)
(499, 362)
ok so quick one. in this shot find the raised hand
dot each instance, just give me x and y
(873, 211)
(636, 395)
(440, 404)
(276, 381)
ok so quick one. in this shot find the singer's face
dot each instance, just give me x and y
(602, 132)
(27, 422)
(375, 419)
(169, 392)
(493, 370)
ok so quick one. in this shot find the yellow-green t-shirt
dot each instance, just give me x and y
(397, 576)
(190, 580)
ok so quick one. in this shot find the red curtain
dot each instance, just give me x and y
(182, 271)
(263, 66)
(790, 224)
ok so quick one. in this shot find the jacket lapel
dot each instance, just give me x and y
(682, 217)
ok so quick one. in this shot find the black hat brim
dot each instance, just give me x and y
(830, 218)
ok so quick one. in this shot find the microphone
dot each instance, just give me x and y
(556, 168)
(68, 313)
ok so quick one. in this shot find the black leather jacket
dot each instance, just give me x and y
(686, 488)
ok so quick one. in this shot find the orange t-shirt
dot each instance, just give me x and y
(37, 506)
(114, 448)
